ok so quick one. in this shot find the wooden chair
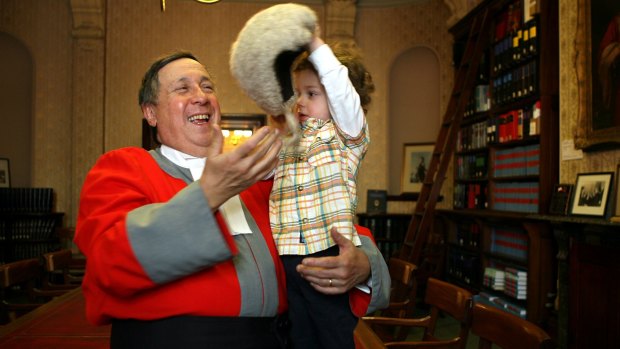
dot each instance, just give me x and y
(494, 326)
(57, 266)
(402, 299)
(18, 281)
(442, 297)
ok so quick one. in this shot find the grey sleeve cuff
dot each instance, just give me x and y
(379, 283)
(176, 238)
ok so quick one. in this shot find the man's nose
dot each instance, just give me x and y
(199, 96)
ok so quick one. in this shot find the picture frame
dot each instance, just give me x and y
(376, 201)
(238, 127)
(416, 159)
(596, 128)
(616, 215)
(245, 124)
(5, 173)
(591, 193)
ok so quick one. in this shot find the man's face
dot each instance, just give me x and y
(186, 107)
(311, 96)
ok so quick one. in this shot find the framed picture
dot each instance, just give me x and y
(591, 193)
(5, 173)
(236, 128)
(598, 124)
(616, 215)
(416, 158)
(376, 201)
(239, 127)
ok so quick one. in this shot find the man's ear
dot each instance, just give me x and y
(148, 110)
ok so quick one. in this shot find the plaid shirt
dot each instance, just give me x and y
(314, 188)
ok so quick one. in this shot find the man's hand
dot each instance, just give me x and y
(227, 174)
(336, 275)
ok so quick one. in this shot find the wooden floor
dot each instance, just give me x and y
(60, 323)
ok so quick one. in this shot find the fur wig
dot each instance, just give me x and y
(262, 56)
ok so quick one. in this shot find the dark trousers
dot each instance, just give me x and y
(193, 332)
(317, 320)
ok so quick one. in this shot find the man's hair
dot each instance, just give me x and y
(150, 83)
(351, 58)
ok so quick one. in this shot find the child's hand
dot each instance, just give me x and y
(316, 39)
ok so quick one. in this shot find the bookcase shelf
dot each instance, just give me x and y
(388, 229)
(28, 225)
(506, 161)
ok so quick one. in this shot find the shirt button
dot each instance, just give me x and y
(304, 221)
(300, 188)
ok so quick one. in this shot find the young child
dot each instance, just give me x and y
(314, 186)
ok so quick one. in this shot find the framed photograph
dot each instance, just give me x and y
(616, 215)
(591, 193)
(239, 127)
(416, 158)
(376, 201)
(5, 173)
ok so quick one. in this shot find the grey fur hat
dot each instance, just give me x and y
(262, 56)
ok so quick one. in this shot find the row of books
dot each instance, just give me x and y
(473, 166)
(493, 278)
(501, 303)
(389, 231)
(31, 228)
(472, 195)
(517, 161)
(26, 199)
(25, 251)
(472, 137)
(513, 49)
(514, 125)
(518, 82)
(479, 102)
(388, 247)
(509, 241)
(515, 283)
(463, 266)
(516, 196)
(468, 234)
(510, 281)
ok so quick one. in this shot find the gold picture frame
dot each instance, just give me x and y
(592, 133)
(416, 159)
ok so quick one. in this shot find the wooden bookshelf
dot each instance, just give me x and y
(506, 161)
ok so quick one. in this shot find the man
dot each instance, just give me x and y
(177, 240)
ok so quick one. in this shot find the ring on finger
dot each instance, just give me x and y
(330, 282)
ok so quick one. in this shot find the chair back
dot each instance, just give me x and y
(452, 300)
(402, 296)
(58, 263)
(508, 331)
(19, 272)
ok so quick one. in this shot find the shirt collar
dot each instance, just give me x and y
(194, 164)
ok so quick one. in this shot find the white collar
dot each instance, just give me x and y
(231, 209)
(194, 164)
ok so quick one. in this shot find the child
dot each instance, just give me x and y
(314, 187)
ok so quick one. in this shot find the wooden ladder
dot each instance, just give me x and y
(420, 225)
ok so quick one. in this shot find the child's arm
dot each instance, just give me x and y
(344, 102)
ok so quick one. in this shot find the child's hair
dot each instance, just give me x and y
(351, 58)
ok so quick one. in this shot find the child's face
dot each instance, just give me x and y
(311, 97)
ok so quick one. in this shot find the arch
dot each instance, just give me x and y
(16, 98)
(414, 105)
